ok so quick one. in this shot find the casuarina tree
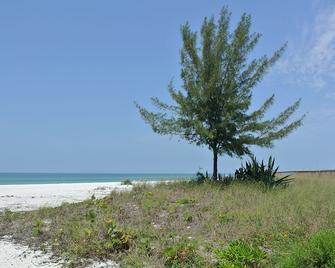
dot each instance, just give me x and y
(213, 106)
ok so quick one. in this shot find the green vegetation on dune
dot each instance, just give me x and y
(186, 224)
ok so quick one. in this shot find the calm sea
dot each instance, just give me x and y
(47, 178)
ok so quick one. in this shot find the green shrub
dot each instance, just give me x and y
(238, 254)
(202, 177)
(126, 182)
(37, 229)
(184, 254)
(255, 171)
(317, 252)
(187, 216)
(101, 203)
(117, 239)
(90, 216)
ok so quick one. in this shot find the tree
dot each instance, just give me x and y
(213, 107)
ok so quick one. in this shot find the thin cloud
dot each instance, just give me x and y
(311, 59)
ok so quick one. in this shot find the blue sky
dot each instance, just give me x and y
(71, 70)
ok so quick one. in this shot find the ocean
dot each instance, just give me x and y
(48, 178)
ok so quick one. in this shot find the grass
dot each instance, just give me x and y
(182, 224)
(317, 251)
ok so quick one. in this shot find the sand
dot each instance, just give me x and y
(33, 196)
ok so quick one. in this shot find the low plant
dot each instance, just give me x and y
(185, 201)
(117, 239)
(37, 229)
(225, 179)
(8, 214)
(91, 216)
(204, 176)
(316, 252)
(239, 254)
(184, 254)
(126, 182)
(187, 216)
(255, 171)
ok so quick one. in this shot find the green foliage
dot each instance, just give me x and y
(101, 203)
(8, 214)
(37, 229)
(238, 254)
(127, 182)
(185, 201)
(144, 244)
(90, 215)
(183, 254)
(212, 109)
(317, 252)
(204, 177)
(118, 239)
(187, 216)
(255, 171)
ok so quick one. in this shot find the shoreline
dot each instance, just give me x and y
(24, 197)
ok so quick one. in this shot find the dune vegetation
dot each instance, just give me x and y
(189, 224)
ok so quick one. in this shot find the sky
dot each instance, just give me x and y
(70, 72)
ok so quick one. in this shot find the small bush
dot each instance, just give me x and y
(317, 252)
(117, 239)
(101, 203)
(127, 182)
(37, 229)
(255, 171)
(238, 254)
(202, 177)
(90, 216)
(183, 254)
(187, 216)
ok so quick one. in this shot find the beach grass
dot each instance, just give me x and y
(181, 224)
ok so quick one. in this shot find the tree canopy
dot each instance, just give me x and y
(213, 106)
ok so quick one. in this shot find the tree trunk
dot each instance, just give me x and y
(215, 164)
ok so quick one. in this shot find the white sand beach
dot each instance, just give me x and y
(34, 196)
